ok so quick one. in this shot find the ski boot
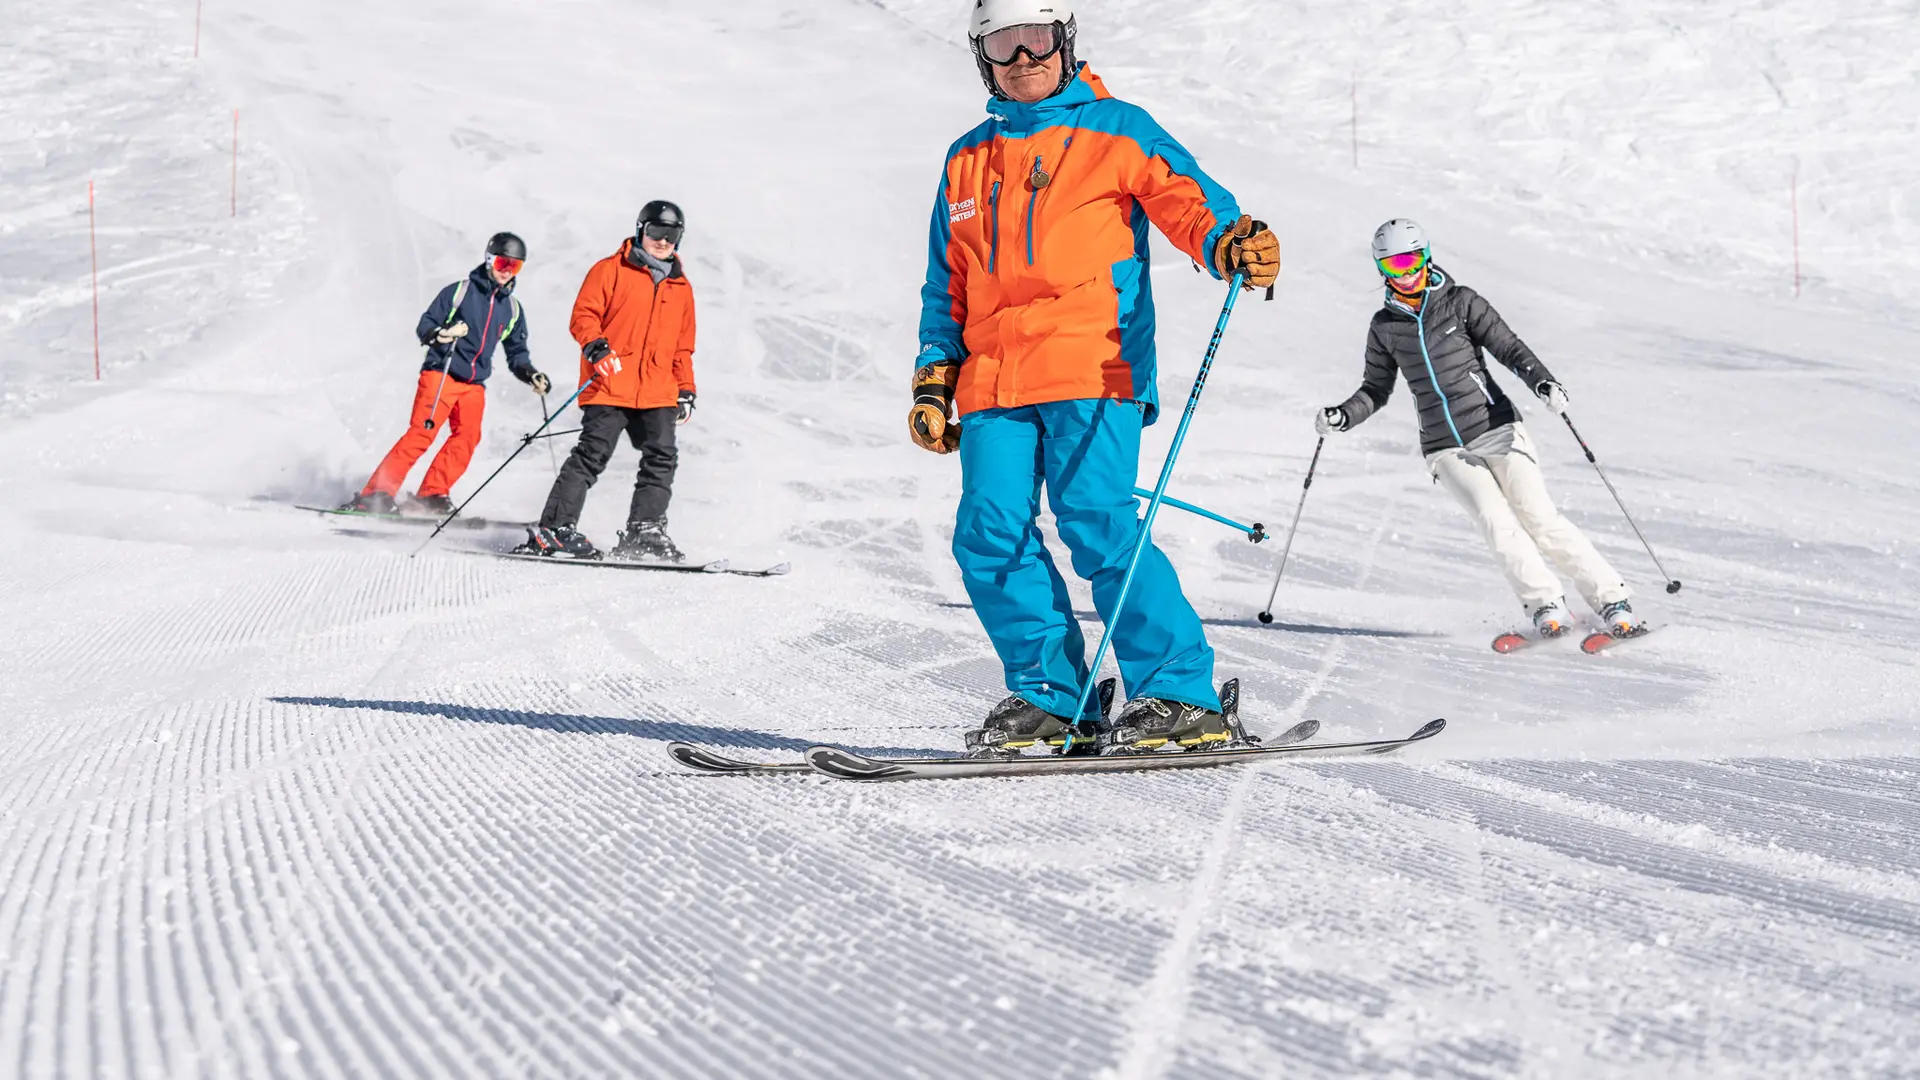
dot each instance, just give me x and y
(433, 505)
(1017, 723)
(1149, 723)
(1619, 620)
(559, 542)
(646, 541)
(1550, 620)
(371, 502)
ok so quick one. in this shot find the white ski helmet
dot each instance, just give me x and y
(991, 15)
(1397, 237)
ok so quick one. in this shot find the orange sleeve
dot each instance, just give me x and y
(683, 356)
(590, 307)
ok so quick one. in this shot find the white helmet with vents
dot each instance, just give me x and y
(991, 15)
(1398, 237)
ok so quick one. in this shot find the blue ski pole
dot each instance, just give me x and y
(1153, 505)
(1256, 532)
(525, 441)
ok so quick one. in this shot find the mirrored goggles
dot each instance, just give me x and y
(1039, 40)
(508, 266)
(1407, 262)
(655, 230)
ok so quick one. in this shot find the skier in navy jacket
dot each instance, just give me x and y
(452, 390)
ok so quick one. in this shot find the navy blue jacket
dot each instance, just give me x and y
(493, 317)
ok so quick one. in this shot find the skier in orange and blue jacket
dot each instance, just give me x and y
(1037, 333)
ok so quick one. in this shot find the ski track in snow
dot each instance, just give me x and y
(278, 800)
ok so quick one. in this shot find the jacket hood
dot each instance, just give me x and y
(1437, 280)
(1085, 88)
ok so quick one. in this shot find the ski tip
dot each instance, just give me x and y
(717, 566)
(689, 755)
(1509, 642)
(777, 569)
(846, 765)
(1298, 733)
(1428, 730)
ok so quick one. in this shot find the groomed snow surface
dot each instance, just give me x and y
(277, 799)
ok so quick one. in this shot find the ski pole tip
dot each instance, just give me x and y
(1266, 617)
(1257, 533)
(1673, 587)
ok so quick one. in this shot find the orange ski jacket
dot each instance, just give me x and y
(650, 328)
(1037, 281)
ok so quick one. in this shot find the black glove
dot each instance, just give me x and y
(540, 383)
(596, 350)
(1330, 419)
(686, 407)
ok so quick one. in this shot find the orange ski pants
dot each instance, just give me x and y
(460, 409)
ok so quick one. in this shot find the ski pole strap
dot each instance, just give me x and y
(1255, 532)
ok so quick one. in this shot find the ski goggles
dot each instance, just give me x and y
(1039, 40)
(657, 230)
(508, 266)
(1407, 262)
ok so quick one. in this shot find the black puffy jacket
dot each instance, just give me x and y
(1438, 349)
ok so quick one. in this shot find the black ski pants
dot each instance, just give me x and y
(650, 431)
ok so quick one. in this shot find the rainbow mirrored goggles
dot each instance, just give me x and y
(1407, 262)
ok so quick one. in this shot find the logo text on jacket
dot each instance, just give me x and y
(958, 212)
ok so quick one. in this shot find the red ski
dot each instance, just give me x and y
(1601, 640)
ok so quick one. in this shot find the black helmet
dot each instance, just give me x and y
(668, 222)
(509, 245)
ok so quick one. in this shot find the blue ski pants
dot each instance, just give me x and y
(1087, 454)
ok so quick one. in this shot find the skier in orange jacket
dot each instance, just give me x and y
(1037, 339)
(635, 324)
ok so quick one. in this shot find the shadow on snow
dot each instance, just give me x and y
(664, 730)
(1251, 624)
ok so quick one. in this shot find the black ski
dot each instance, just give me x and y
(715, 566)
(847, 765)
(701, 759)
(410, 519)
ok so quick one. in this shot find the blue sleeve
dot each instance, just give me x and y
(436, 314)
(942, 298)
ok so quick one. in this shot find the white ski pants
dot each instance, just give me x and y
(1497, 478)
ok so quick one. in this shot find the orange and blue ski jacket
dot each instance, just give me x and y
(1037, 280)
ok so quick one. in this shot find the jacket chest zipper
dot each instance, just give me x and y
(993, 240)
(1033, 198)
(479, 346)
(1433, 377)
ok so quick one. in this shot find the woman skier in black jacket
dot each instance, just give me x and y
(1433, 331)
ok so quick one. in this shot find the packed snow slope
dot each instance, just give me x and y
(278, 799)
